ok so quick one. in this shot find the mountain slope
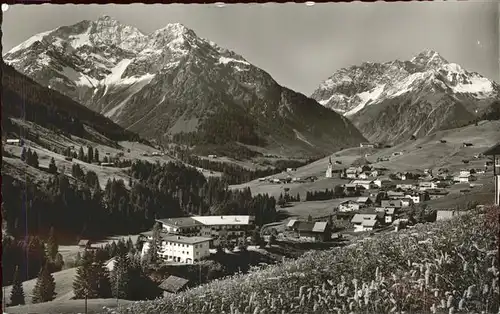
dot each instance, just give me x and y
(24, 98)
(186, 87)
(390, 102)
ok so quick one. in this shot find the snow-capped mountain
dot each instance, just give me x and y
(394, 100)
(172, 81)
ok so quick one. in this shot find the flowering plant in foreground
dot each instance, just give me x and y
(444, 267)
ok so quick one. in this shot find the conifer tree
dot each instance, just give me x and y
(120, 277)
(52, 246)
(44, 290)
(52, 166)
(90, 154)
(35, 160)
(23, 154)
(85, 283)
(17, 292)
(81, 154)
(96, 155)
(103, 280)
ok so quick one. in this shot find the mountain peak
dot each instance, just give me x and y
(429, 58)
(106, 18)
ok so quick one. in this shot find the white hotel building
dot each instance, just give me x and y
(231, 227)
(181, 249)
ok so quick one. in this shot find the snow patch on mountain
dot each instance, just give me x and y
(478, 85)
(367, 98)
(225, 60)
(117, 72)
(301, 137)
(78, 78)
(80, 40)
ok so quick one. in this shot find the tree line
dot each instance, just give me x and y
(82, 209)
(235, 174)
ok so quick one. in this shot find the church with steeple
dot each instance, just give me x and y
(329, 170)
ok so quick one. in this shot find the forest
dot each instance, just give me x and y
(84, 210)
(234, 174)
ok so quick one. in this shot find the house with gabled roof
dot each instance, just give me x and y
(389, 213)
(318, 231)
(391, 203)
(366, 222)
(364, 201)
(173, 285)
(349, 206)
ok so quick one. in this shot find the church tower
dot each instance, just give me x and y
(329, 170)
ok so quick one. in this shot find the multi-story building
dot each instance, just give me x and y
(229, 227)
(181, 249)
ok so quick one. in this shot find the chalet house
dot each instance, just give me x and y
(212, 156)
(465, 177)
(366, 184)
(352, 172)
(363, 175)
(231, 227)
(349, 206)
(465, 172)
(84, 244)
(366, 145)
(400, 176)
(392, 203)
(406, 202)
(366, 222)
(319, 231)
(377, 183)
(351, 188)
(415, 198)
(435, 194)
(397, 154)
(468, 144)
(406, 185)
(12, 141)
(173, 285)
(374, 173)
(389, 213)
(393, 195)
(291, 169)
(426, 185)
(364, 201)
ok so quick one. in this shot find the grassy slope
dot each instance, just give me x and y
(433, 154)
(458, 253)
(94, 306)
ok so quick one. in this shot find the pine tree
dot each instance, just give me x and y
(103, 280)
(298, 197)
(90, 154)
(52, 246)
(96, 155)
(17, 292)
(23, 154)
(52, 166)
(309, 218)
(85, 283)
(44, 290)
(59, 262)
(35, 160)
(81, 154)
(120, 277)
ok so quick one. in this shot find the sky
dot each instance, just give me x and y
(299, 45)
